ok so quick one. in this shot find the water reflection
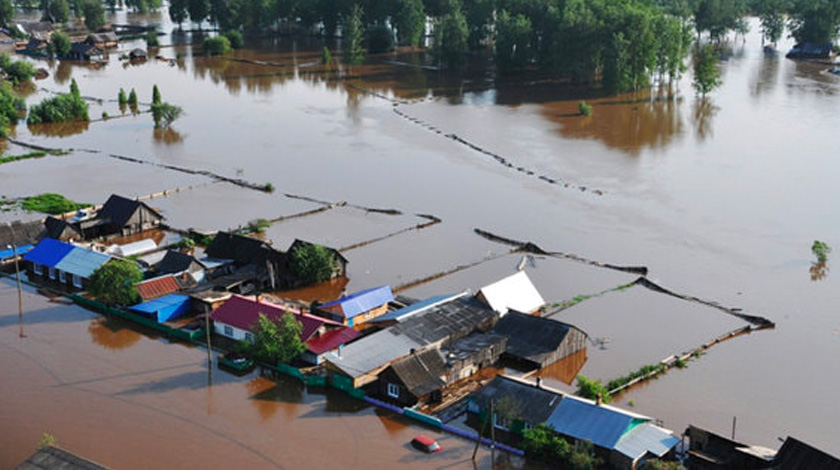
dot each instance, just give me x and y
(112, 334)
(767, 75)
(268, 397)
(566, 369)
(323, 292)
(59, 129)
(807, 77)
(704, 112)
(168, 136)
(818, 271)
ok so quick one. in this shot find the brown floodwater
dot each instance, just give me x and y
(719, 199)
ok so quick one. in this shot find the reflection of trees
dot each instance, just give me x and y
(168, 136)
(59, 129)
(63, 72)
(704, 112)
(111, 334)
(818, 271)
(268, 397)
(766, 75)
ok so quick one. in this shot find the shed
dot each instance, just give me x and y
(121, 216)
(138, 54)
(515, 292)
(537, 341)
(157, 287)
(359, 307)
(415, 379)
(134, 248)
(164, 308)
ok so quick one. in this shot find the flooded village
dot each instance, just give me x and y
(461, 256)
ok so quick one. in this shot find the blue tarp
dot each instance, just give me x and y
(362, 301)
(583, 420)
(49, 252)
(164, 308)
(9, 254)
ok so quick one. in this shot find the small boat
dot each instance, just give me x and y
(426, 444)
(236, 361)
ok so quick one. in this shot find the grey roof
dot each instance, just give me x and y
(21, 233)
(796, 454)
(118, 210)
(421, 372)
(646, 438)
(176, 262)
(59, 228)
(473, 344)
(525, 402)
(52, 457)
(449, 321)
(531, 337)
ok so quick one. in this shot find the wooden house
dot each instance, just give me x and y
(86, 52)
(357, 308)
(467, 356)
(417, 378)
(59, 262)
(120, 216)
(537, 342)
(60, 229)
(269, 266)
(105, 40)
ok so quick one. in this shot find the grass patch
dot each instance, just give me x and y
(641, 372)
(25, 156)
(51, 203)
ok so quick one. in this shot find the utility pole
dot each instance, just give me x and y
(734, 420)
(492, 434)
(19, 289)
(207, 335)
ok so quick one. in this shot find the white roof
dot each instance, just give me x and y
(515, 292)
(135, 248)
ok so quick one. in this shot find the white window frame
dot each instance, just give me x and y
(228, 330)
(52, 272)
(249, 337)
(77, 281)
(500, 423)
(62, 276)
(38, 268)
(393, 390)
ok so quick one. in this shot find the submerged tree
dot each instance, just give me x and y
(771, 14)
(114, 283)
(706, 73)
(353, 33)
(312, 263)
(815, 21)
(451, 34)
(409, 19)
(94, 14)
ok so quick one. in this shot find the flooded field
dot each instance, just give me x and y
(720, 200)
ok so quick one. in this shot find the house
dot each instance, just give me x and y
(236, 318)
(158, 287)
(708, 450)
(395, 316)
(60, 229)
(796, 454)
(811, 50)
(517, 406)
(57, 458)
(357, 308)
(341, 266)
(122, 217)
(363, 360)
(176, 262)
(537, 342)
(86, 52)
(270, 265)
(164, 308)
(515, 292)
(105, 40)
(466, 356)
(138, 54)
(37, 46)
(416, 378)
(68, 264)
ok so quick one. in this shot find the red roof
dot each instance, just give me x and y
(331, 340)
(242, 312)
(157, 287)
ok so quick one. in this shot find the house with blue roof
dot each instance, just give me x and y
(357, 308)
(161, 309)
(57, 261)
(620, 438)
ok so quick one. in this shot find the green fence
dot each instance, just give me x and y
(423, 418)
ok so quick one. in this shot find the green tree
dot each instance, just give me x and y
(216, 45)
(451, 35)
(19, 71)
(656, 464)
(409, 19)
(771, 13)
(114, 283)
(583, 458)
(589, 388)
(513, 41)
(706, 73)
(11, 107)
(164, 114)
(132, 97)
(121, 97)
(60, 44)
(94, 14)
(479, 16)
(276, 341)
(542, 443)
(718, 17)
(55, 11)
(235, 38)
(156, 99)
(379, 38)
(821, 250)
(815, 21)
(74, 89)
(7, 11)
(152, 39)
(198, 10)
(178, 11)
(312, 263)
(353, 33)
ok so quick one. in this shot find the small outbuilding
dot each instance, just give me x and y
(415, 379)
(538, 342)
(164, 308)
(515, 292)
(138, 54)
(357, 308)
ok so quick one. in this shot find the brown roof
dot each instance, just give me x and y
(159, 286)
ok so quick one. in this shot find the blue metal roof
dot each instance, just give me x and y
(164, 308)
(416, 307)
(82, 262)
(362, 301)
(584, 420)
(49, 252)
(646, 438)
(21, 250)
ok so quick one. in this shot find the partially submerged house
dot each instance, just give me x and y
(810, 50)
(268, 264)
(515, 292)
(357, 308)
(60, 229)
(104, 40)
(161, 309)
(138, 54)
(64, 263)
(537, 342)
(708, 450)
(120, 216)
(467, 356)
(416, 378)
(796, 454)
(87, 52)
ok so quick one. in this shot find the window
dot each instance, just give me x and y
(393, 390)
(527, 426)
(501, 422)
(228, 331)
(52, 273)
(249, 337)
(39, 269)
(62, 276)
(77, 281)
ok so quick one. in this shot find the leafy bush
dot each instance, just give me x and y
(380, 38)
(275, 340)
(152, 39)
(164, 114)
(258, 225)
(589, 388)
(11, 106)
(122, 97)
(51, 203)
(821, 250)
(64, 107)
(216, 45)
(312, 263)
(542, 443)
(60, 44)
(585, 109)
(132, 97)
(114, 283)
(19, 71)
(235, 38)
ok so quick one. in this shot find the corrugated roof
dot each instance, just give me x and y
(82, 262)
(331, 340)
(21, 250)
(524, 402)
(243, 313)
(418, 307)
(360, 302)
(515, 292)
(162, 303)
(49, 252)
(584, 420)
(157, 287)
(133, 248)
(421, 372)
(646, 438)
(531, 337)
(796, 454)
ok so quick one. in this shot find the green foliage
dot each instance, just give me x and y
(94, 14)
(771, 14)
(132, 97)
(513, 41)
(541, 442)
(451, 35)
(816, 21)
(19, 71)
(156, 98)
(589, 388)
(583, 458)
(185, 244)
(820, 250)
(353, 33)
(584, 108)
(152, 39)
(60, 44)
(258, 225)
(216, 45)
(121, 97)
(706, 73)
(326, 56)
(47, 440)
(379, 38)
(198, 10)
(51, 203)
(164, 114)
(178, 11)
(276, 341)
(7, 11)
(114, 283)
(11, 107)
(718, 17)
(56, 11)
(656, 464)
(25, 156)
(104, 115)
(409, 19)
(269, 187)
(640, 372)
(236, 39)
(64, 107)
(312, 263)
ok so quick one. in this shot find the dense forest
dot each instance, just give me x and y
(622, 44)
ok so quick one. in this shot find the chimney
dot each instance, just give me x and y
(599, 400)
